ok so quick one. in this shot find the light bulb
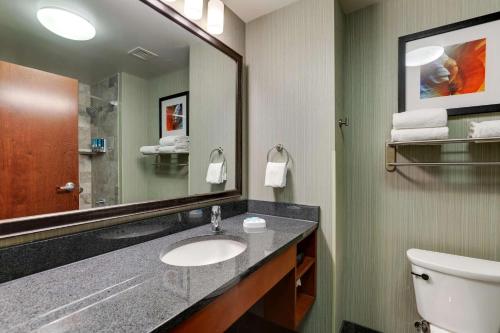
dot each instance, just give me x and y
(66, 24)
(215, 17)
(193, 9)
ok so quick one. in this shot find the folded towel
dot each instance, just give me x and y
(149, 150)
(419, 134)
(173, 140)
(484, 129)
(166, 149)
(276, 174)
(186, 151)
(424, 118)
(216, 173)
(184, 145)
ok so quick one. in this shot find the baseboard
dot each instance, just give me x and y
(348, 327)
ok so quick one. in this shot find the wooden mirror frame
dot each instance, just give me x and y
(37, 223)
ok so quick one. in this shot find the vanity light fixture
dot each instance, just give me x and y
(423, 55)
(66, 24)
(193, 9)
(215, 17)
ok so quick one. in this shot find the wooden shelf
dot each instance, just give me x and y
(306, 264)
(303, 305)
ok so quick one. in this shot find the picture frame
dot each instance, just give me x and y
(174, 115)
(464, 79)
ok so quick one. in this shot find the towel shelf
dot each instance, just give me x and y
(89, 152)
(391, 152)
(172, 153)
(443, 142)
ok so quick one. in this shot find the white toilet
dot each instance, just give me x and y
(456, 294)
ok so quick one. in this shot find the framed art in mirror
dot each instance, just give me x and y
(174, 115)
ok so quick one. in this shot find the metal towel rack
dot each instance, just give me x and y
(221, 152)
(391, 152)
(279, 148)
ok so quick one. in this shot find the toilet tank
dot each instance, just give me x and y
(461, 295)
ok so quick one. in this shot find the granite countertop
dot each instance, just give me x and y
(132, 290)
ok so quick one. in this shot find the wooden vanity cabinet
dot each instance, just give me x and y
(285, 302)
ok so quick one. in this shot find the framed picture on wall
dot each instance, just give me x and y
(174, 115)
(455, 67)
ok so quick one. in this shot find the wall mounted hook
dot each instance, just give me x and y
(343, 122)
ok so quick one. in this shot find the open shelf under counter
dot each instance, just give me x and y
(304, 266)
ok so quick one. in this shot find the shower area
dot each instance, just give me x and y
(98, 120)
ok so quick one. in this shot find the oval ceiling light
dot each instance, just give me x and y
(193, 9)
(66, 24)
(423, 55)
(215, 17)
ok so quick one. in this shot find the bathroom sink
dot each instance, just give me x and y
(201, 251)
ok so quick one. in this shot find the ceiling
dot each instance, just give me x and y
(249, 10)
(350, 6)
(26, 42)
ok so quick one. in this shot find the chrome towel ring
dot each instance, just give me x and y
(221, 152)
(279, 148)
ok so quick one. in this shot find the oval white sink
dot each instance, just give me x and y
(205, 251)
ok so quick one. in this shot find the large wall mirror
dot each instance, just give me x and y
(105, 113)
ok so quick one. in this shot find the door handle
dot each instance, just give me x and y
(68, 187)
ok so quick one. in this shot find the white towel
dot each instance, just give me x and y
(216, 173)
(419, 134)
(276, 174)
(183, 145)
(174, 140)
(149, 150)
(484, 129)
(166, 149)
(423, 118)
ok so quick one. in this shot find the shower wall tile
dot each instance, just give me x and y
(105, 167)
(84, 133)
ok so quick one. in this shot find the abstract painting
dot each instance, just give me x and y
(174, 115)
(454, 67)
(460, 70)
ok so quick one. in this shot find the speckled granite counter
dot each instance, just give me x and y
(131, 290)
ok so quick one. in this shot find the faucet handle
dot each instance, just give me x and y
(216, 210)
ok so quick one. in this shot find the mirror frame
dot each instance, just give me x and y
(37, 223)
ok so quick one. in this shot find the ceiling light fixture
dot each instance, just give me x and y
(66, 24)
(193, 9)
(423, 56)
(215, 17)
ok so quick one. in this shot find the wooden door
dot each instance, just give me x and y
(38, 141)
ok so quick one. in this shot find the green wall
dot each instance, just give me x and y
(453, 210)
(290, 56)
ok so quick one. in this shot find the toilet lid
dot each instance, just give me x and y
(435, 329)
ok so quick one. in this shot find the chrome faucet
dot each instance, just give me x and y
(216, 220)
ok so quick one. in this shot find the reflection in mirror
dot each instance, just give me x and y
(110, 109)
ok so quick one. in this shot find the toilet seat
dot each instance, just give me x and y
(435, 329)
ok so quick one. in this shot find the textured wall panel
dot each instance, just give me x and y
(290, 57)
(452, 210)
